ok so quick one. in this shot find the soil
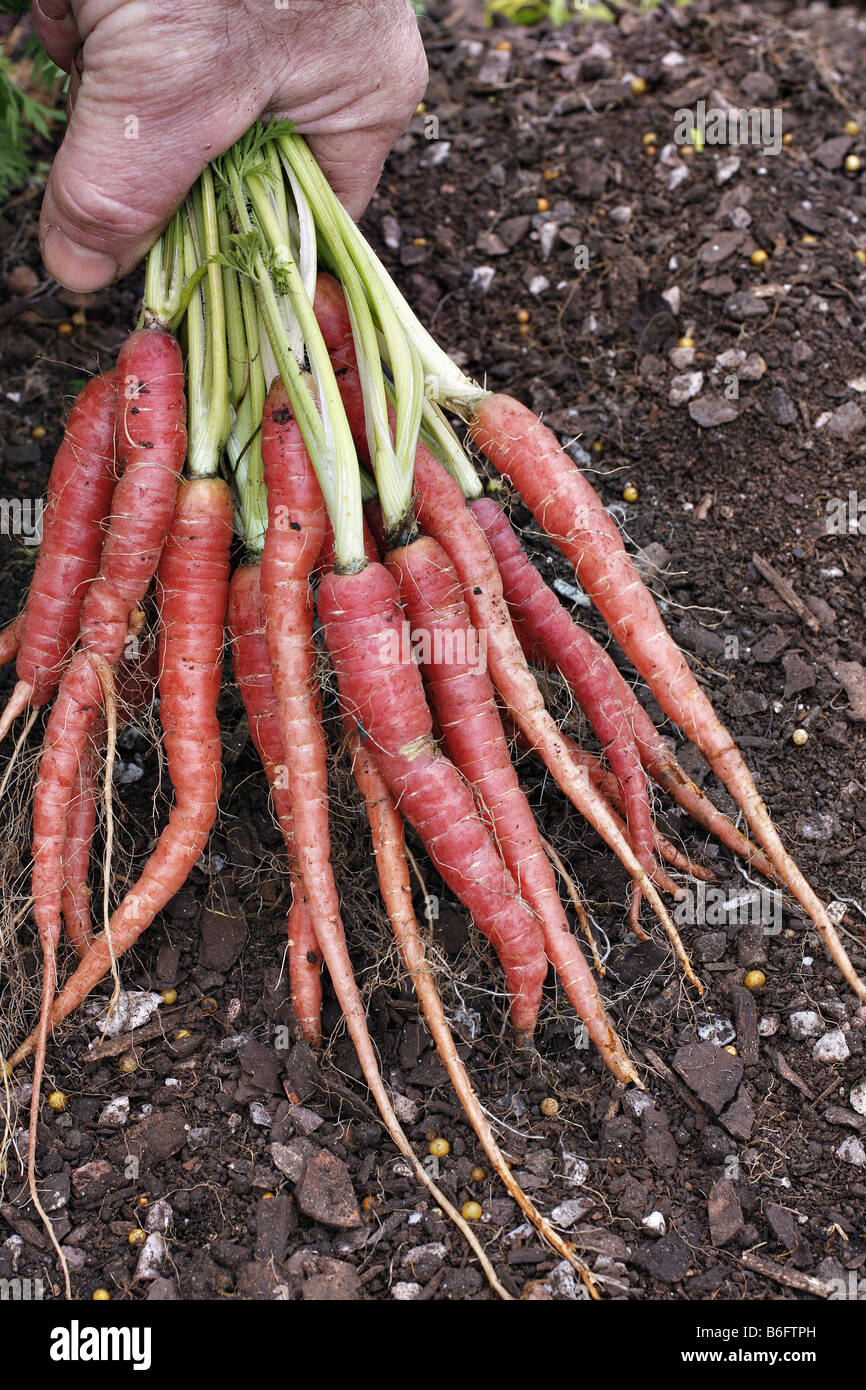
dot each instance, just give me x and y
(247, 1158)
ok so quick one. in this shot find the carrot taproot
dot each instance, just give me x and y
(252, 668)
(453, 662)
(585, 665)
(441, 510)
(389, 849)
(193, 579)
(381, 689)
(73, 529)
(10, 639)
(529, 455)
(549, 634)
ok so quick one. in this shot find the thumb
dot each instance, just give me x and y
(119, 175)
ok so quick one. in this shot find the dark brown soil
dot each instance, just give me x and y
(737, 1157)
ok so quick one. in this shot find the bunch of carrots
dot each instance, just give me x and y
(307, 414)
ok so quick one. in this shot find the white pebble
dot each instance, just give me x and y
(482, 278)
(567, 1214)
(151, 1261)
(768, 1025)
(116, 1112)
(655, 1223)
(857, 1098)
(832, 1047)
(685, 387)
(405, 1291)
(851, 1150)
(805, 1023)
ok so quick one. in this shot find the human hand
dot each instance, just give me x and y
(160, 88)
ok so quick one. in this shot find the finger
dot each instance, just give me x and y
(118, 177)
(57, 31)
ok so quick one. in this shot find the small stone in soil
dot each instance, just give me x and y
(805, 1023)
(724, 1212)
(851, 1150)
(325, 1192)
(667, 1259)
(710, 1072)
(709, 411)
(832, 1047)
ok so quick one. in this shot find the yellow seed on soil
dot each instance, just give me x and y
(37, 432)
(852, 164)
(65, 329)
(649, 137)
(800, 736)
(550, 174)
(440, 1148)
(788, 138)
(471, 1211)
(478, 1175)
(180, 1034)
(420, 108)
(542, 204)
(128, 1063)
(732, 1050)
(169, 996)
(755, 979)
(629, 493)
(759, 256)
(860, 255)
(142, 1201)
(267, 1196)
(852, 127)
(687, 150)
(137, 1236)
(504, 46)
(686, 342)
(524, 330)
(57, 1100)
(209, 1006)
(597, 446)
(79, 318)
(549, 1106)
(101, 1295)
(367, 1203)
(419, 241)
(807, 239)
(523, 316)
(638, 86)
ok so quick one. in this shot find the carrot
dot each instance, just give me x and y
(464, 701)
(193, 575)
(134, 688)
(79, 495)
(381, 689)
(10, 639)
(441, 510)
(75, 857)
(587, 668)
(252, 667)
(547, 633)
(529, 455)
(389, 848)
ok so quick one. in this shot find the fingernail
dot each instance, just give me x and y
(76, 267)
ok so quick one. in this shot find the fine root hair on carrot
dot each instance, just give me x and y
(577, 904)
(106, 680)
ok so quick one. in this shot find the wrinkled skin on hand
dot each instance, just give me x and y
(161, 87)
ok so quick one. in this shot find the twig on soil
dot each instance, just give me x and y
(786, 591)
(791, 1278)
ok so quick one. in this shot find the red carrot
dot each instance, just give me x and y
(10, 639)
(193, 576)
(380, 687)
(563, 501)
(453, 663)
(587, 668)
(252, 667)
(73, 528)
(441, 510)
